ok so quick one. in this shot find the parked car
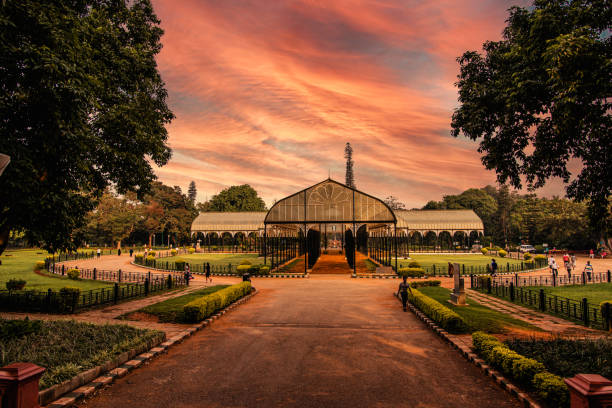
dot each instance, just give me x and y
(527, 248)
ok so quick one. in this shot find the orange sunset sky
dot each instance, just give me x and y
(268, 92)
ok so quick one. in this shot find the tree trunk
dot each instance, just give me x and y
(150, 238)
(4, 237)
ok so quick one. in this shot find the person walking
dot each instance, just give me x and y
(187, 274)
(554, 267)
(208, 272)
(131, 252)
(573, 261)
(591, 254)
(493, 267)
(403, 289)
(119, 252)
(99, 252)
(589, 270)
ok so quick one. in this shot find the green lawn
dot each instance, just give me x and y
(171, 310)
(65, 347)
(218, 259)
(479, 317)
(595, 293)
(19, 264)
(478, 262)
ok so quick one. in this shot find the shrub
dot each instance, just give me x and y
(139, 259)
(151, 253)
(241, 269)
(179, 264)
(502, 253)
(73, 274)
(15, 284)
(12, 329)
(418, 284)
(245, 262)
(205, 306)
(552, 389)
(527, 256)
(191, 250)
(173, 252)
(414, 264)
(442, 315)
(39, 265)
(530, 264)
(411, 272)
(484, 251)
(264, 270)
(540, 257)
(150, 261)
(254, 269)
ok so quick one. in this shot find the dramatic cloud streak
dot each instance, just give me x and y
(268, 93)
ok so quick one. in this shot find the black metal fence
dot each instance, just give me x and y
(108, 275)
(507, 268)
(582, 278)
(229, 269)
(71, 301)
(580, 311)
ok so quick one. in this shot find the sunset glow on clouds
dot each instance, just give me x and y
(268, 93)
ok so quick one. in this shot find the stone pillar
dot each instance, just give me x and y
(589, 391)
(19, 385)
(457, 297)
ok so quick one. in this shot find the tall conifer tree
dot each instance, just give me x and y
(348, 155)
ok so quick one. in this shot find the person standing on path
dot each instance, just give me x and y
(98, 252)
(573, 261)
(589, 270)
(554, 267)
(131, 252)
(403, 289)
(591, 254)
(119, 252)
(493, 267)
(208, 271)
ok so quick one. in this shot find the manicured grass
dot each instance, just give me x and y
(66, 348)
(289, 266)
(370, 265)
(477, 316)
(595, 293)
(219, 259)
(19, 264)
(467, 260)
(171, 310)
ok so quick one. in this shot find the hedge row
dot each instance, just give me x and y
(199, 309)
(442, 315)
(411, 272)
(527, 371)
(420, 284)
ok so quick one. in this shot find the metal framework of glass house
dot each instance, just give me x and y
(295, 224)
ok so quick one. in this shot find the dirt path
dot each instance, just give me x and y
(327, 341)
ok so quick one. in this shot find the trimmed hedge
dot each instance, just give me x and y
(540, 257)
(73, 274)
(442, 315)
(191, 250)
(420, 284)
(414, 264)
(199, 309)
(245, 262)
(527, 256)
(179, 264)
(173, 252)
(39, 265)
(139, 258)
(411, 272)
(502, 253)
(527, 371)
(484, 251)
(243, 268)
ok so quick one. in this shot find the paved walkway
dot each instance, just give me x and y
(552, 324)
(327, 341)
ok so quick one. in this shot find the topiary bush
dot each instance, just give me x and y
(414, 264)
(484, 251)
(264, 270)
(151, 253)
(139, 259)
(527, 256)
(254, 269)
(419, 284)
(179, 264)
(442, 315)
(173, 252)
(540, 257)
(245, 262)
(15, 284)
(242, 269)
(73, 274)
(411, 272)
(39, 265)
(552, 389)
(502, 253)
(191, 250)
(203, 307)
(150, 261)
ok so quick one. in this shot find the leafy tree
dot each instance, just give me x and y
(82, 106)
(394, 203)
(237, 199)
(192, 192)
(543, 96)
(348, 155)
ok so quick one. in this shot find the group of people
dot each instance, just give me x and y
(569, 262)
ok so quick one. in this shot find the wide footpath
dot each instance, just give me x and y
(327, 341)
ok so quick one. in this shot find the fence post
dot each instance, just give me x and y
(116, 292)
(95, 273)
(585, 311)
(119, 275)
(63, 270)
(169, 281)
(542, 300)
(472, 281)
(489, 284)
(606, 313)
(583, 278)
(609, 276)
(146, 286)
(512, 291)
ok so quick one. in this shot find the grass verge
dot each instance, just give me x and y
(65, 348)
(479, 317)
(595, 292)
(171, 310)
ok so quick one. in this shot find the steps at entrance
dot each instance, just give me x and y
(331, 264)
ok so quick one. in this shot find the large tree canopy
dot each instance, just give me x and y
(82, 107)
(543, 96)
(236, 199)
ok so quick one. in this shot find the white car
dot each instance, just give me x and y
(527, 248)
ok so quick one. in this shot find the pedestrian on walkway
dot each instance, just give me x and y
(554, 267)
(589, 270)
(98, 252)
(568, 268)
(131, 252)
(591, 254)
(403, 289)
(208, 272)
(573, 261)
(119, 252)
(493, 267)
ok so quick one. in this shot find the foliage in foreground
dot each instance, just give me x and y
(171, 310)
(566, 357)
(66, 348)
(527, 371)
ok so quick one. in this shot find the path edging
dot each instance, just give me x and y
(128, 361)
(472, 357)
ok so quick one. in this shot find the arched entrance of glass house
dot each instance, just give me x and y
(318, 216)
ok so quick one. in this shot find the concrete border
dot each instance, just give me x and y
(469, 355)
(84, 384)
